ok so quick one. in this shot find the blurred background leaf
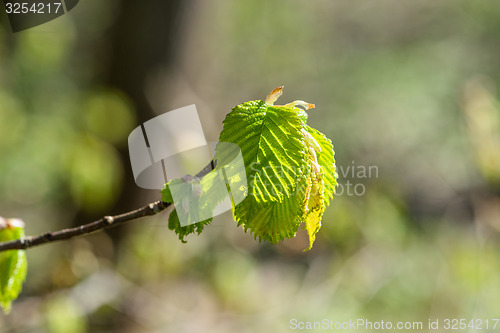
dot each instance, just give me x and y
(13, 263)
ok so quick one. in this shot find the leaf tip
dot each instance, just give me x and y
(305, 105)
(274, 95)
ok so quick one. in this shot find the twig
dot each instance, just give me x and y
(101, 224)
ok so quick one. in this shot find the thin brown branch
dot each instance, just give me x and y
(101, 224)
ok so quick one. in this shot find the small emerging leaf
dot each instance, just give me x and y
(314, 201)
(13, 264)
(326, 159)
(194, 201)
(274, 95)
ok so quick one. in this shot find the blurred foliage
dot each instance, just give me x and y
(482, 111)
(63, 316)
(409, 87)
(13, 263)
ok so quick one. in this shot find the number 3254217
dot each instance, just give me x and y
(32, 8)
(474, 324)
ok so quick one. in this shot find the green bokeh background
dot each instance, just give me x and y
(408, 87)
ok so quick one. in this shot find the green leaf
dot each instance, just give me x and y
(289, 167)
(274, 154)
(182, 231)
(195, 201)
(314, 201)
(321, 181)
(273, 221)
(272, 146)
(187, 203)
(13, 263)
